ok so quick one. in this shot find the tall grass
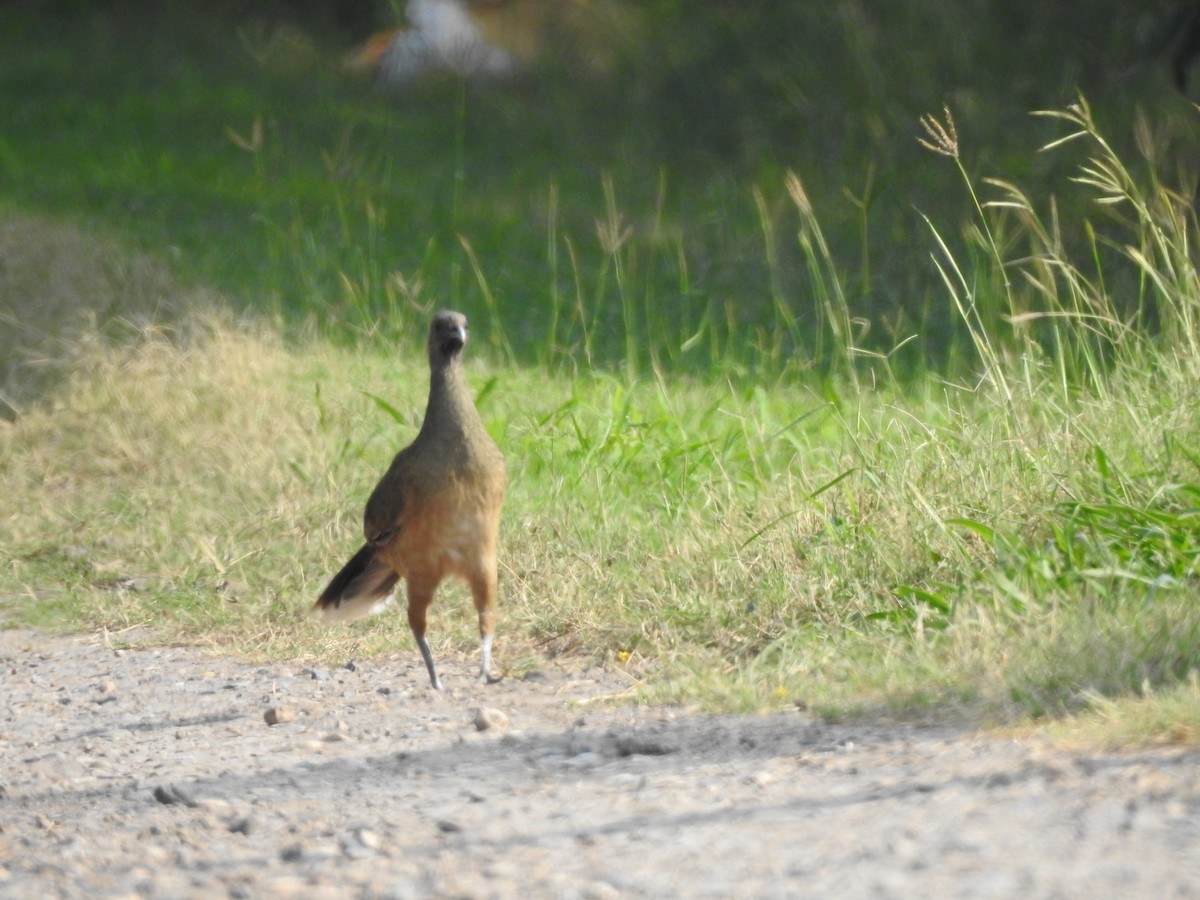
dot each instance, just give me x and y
(1132, 297)
(1089, 586)
(291, 189)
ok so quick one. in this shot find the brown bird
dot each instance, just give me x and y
(436, 512)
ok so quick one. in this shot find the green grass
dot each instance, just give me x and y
(733, 471)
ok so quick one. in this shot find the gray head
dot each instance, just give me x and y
(447, 335)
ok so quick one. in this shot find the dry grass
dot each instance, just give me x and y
(1169, 716)
(57, 283)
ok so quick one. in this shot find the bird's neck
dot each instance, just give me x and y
(451, 406)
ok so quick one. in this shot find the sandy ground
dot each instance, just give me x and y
(155, 773)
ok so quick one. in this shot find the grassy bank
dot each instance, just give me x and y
(919, 550)
(1020, 544)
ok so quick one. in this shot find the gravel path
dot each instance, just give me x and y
(155, 773)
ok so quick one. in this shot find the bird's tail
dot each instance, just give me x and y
(360, 588)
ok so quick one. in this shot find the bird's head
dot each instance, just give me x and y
(447, 335)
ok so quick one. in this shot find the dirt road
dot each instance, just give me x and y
(155, 773)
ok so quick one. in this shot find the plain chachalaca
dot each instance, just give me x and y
(436, 512)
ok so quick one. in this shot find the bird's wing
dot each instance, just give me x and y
(384, 515)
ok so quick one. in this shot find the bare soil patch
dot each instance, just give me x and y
(154, 772)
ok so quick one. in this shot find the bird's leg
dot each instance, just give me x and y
(485, 665)
(427, 655)
(419, 598)
(483, 590)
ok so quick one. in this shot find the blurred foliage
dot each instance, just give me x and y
(229, 133)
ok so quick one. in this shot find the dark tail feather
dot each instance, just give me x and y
(357, 588)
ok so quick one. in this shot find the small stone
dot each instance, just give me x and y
(277, 715)
(636, 745)
(360, 843)
(108, 687)
(489, 719)
(241, 825)
(760, 779)
(351, 666)
(292, 853)
(169, 795)
(445, 826)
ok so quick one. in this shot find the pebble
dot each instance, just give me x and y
(354, 848)
(170, 794)
(490, 719)
(277, 715)
(760, 779)
(241, 825)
